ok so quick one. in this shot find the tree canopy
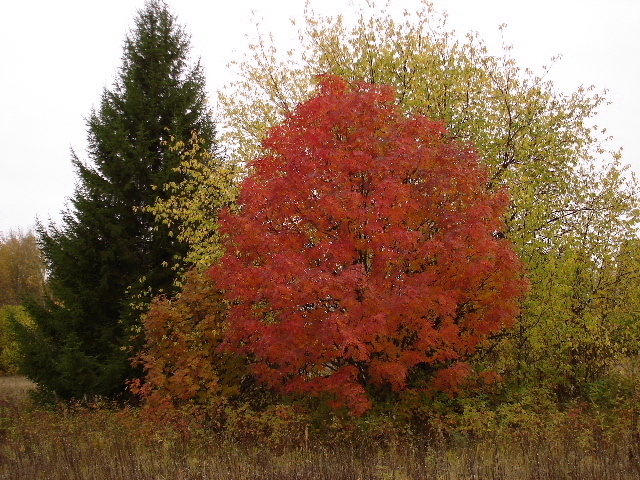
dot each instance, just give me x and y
(571, 198)
(366, 250)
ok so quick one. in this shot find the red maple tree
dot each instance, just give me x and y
(365, 249)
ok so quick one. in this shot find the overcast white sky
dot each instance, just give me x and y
(56, 58)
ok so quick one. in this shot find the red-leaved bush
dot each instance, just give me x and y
(185, 371)
(366, 248)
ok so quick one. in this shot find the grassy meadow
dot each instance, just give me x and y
(104, 443)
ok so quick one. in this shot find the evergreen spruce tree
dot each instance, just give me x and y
(109, 254)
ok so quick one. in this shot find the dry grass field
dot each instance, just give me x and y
(108, 444)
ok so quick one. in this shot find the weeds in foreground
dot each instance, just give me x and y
(105, 443)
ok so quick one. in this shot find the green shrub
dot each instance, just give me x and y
(9, 349)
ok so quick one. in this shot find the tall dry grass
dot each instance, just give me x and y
(16, 387)
(108, 444)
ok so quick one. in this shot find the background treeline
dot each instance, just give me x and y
(22, 275)
(132, 312)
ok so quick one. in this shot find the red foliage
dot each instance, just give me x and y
(184, 371)
(365, 247)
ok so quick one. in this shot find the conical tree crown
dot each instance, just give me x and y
(109, 256)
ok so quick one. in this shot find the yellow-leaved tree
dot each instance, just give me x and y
(185, 375)
(574, 209)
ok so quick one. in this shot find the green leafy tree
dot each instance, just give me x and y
(109, 256)
(586, 306)
(9, 347)
(573, 209)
